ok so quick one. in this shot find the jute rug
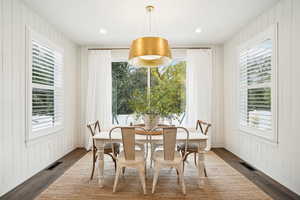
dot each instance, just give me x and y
(223, 182)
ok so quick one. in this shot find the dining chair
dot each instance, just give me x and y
(192, 147)
(95, 128)
(169, 157)
(129, 156)
(152, 145)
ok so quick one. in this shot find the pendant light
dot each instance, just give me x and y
(149, 51)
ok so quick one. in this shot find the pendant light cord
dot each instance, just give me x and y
(150, 27)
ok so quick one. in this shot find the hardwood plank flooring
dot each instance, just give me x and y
(264, 182)
(39, 182)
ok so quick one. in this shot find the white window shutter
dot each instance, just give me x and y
(256, 86)
(47, 87)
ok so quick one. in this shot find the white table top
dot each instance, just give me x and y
(116, 135)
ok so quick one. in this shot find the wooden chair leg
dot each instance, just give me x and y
(188, 153)
(92, 174)
(116, 154)
(180, 170)
(182, 154)
(115, 163)
(142, 178)
(155, 178)
(185, 160)
(116, 178)
(205, 173)
(113, 159)
(94, 163)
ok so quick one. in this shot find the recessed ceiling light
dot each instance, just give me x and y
(198, 30)
(102, 31)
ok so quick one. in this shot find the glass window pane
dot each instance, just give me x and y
(129, 86)
(125, 80)
(42, 108)
(259, 108)
(168, 89)
(259, 63)
(43, 65)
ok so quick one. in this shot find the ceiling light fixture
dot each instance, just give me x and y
(198, 30)
(102, 31)
(150, 51)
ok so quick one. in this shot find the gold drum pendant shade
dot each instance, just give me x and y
(149, 52)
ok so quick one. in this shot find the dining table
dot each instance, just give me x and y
(196, 137)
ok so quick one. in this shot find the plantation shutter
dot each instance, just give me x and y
(255, 86)
(47, 87)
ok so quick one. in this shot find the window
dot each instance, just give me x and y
(127, 81)
(45, 87)
(257, 61)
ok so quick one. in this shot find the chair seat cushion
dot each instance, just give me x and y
(107, 147)
(159, 156)
(192, 147)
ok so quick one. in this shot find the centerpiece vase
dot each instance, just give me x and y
(151, 121)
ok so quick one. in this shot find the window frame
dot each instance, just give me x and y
(122, 56)
(269, 33)
(33, 135)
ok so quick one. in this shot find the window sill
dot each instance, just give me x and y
(268, 137)
(43, 135)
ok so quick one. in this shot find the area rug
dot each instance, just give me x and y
(223, 182)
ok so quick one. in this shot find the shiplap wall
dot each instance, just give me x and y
(19, 161)
(280, 161)
(217, 113)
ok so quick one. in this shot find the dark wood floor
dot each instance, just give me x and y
(35, 185)
(39, 182)
(264, 182)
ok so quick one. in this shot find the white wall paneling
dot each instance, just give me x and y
(19, 161)
(83, 94)
(217, 129)
(280, 161)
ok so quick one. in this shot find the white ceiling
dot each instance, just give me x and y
(126, 20)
